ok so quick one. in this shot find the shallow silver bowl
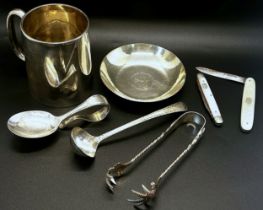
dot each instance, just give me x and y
(142, 72)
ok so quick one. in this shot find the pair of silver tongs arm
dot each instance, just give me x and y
(192, 119)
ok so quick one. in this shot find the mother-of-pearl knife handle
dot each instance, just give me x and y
(208, 99)
(248, 104)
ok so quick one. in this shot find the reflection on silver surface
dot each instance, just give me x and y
(57, 79)
(56, 48)
(142, 72)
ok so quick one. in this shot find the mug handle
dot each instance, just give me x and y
(11, 32)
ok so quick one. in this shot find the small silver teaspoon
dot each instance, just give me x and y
(86, 145)
(38, 124)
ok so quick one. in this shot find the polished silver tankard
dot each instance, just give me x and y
(55, 46)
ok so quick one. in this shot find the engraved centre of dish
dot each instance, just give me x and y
(142, 82)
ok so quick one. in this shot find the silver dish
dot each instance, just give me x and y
(142, 72)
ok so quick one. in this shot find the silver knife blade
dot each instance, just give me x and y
(222, 75)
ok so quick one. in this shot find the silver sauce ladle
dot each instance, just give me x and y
(37, 124)
(86, 145)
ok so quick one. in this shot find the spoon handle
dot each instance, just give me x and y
(93, 109)
(176, 107)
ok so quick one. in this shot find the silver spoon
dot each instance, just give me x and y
(86, 145)
(37, 124)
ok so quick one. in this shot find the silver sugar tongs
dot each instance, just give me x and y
(193, 119)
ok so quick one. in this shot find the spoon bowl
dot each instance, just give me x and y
(33, 124)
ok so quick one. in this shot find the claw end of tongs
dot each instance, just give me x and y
(110, 182)
(143, 198)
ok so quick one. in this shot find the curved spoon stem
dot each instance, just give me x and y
(95, 102)
(176, 107)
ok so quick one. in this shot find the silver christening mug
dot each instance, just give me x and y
(53, 41)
